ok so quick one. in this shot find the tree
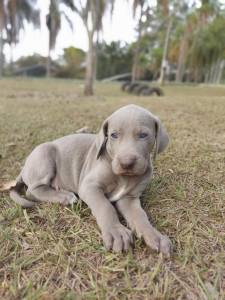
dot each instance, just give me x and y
(137, 5)
(72, 63)
(143, 9)
(91, 13)
(53, 22)
(2, 27)
(163, 6)
(184, 37)
(113, 59)
(17, 12)
(198, 44)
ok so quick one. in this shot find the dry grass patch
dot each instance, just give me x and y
(51, 252)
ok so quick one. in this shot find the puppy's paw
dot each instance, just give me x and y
(160, 243)
(68, 198)
(166, 247)
(118, 238)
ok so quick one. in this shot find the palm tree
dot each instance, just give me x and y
(91, 14)
(171, 11)
(2, 27)
(204, 64)
(17, 12)
(163, 6)
(137, 5)
(53, 22)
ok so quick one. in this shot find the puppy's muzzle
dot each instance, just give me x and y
(127, 163)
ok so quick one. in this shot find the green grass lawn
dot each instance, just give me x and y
(50, 252)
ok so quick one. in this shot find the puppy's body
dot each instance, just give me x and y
(113, 166)
(68, 165)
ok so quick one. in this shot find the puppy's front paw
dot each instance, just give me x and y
(118, 238)
(166, 247)
(160, 243)
(68, 198)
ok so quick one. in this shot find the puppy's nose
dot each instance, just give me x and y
(128, 162)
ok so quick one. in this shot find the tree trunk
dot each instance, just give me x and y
(90, 66)
(11, 58)
(181, 59)
(136, 58)
(48, 62)
(1, 54)
(213, 72)
(137, 50)
(220, 73)
(217, 71)
(96, 57)
(206, 78)
(165, 51)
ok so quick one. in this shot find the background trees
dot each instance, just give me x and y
(53, 22)
(113, 59)
(17, 12)
(2, 27)
(91, 12)
(174, 40)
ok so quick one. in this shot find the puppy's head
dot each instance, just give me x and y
(128, 136)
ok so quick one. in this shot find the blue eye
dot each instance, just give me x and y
(142, 135)
(114, 135)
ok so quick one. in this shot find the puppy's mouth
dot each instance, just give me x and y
(127, 173)
(130, 173)
(137, 170)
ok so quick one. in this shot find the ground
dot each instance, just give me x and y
(51, 252)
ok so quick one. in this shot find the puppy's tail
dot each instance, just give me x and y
(16, 196)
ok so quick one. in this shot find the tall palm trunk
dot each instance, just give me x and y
(165, 51)
(1, 54)
(11, 57)
(96, 56)
(136, 57)
(137, 48)
(48, 62)
(138, 43)
(220, 71)
(90, 66)
(182, 57)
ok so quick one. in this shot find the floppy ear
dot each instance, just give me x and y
(102, 139)
(161, 138)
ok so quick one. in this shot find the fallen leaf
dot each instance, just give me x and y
(11, 145)
(6, 186)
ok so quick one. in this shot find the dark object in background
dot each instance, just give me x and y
(125, 85)
(132, 86)
(155, 90)
(141, 89)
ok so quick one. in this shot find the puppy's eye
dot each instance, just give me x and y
(114, 135)
(142, 135)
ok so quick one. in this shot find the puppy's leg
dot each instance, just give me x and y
(39, 172)
(137, 219)
(46, 193)
(115, 235)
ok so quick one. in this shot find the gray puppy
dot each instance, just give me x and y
(112, 166)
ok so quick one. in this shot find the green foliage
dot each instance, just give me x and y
(73, 63)
(208, 45)
(27, 61)
(113, 59)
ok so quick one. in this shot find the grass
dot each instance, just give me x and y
(51, 252)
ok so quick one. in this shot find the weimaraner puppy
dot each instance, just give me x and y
(113, 166)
